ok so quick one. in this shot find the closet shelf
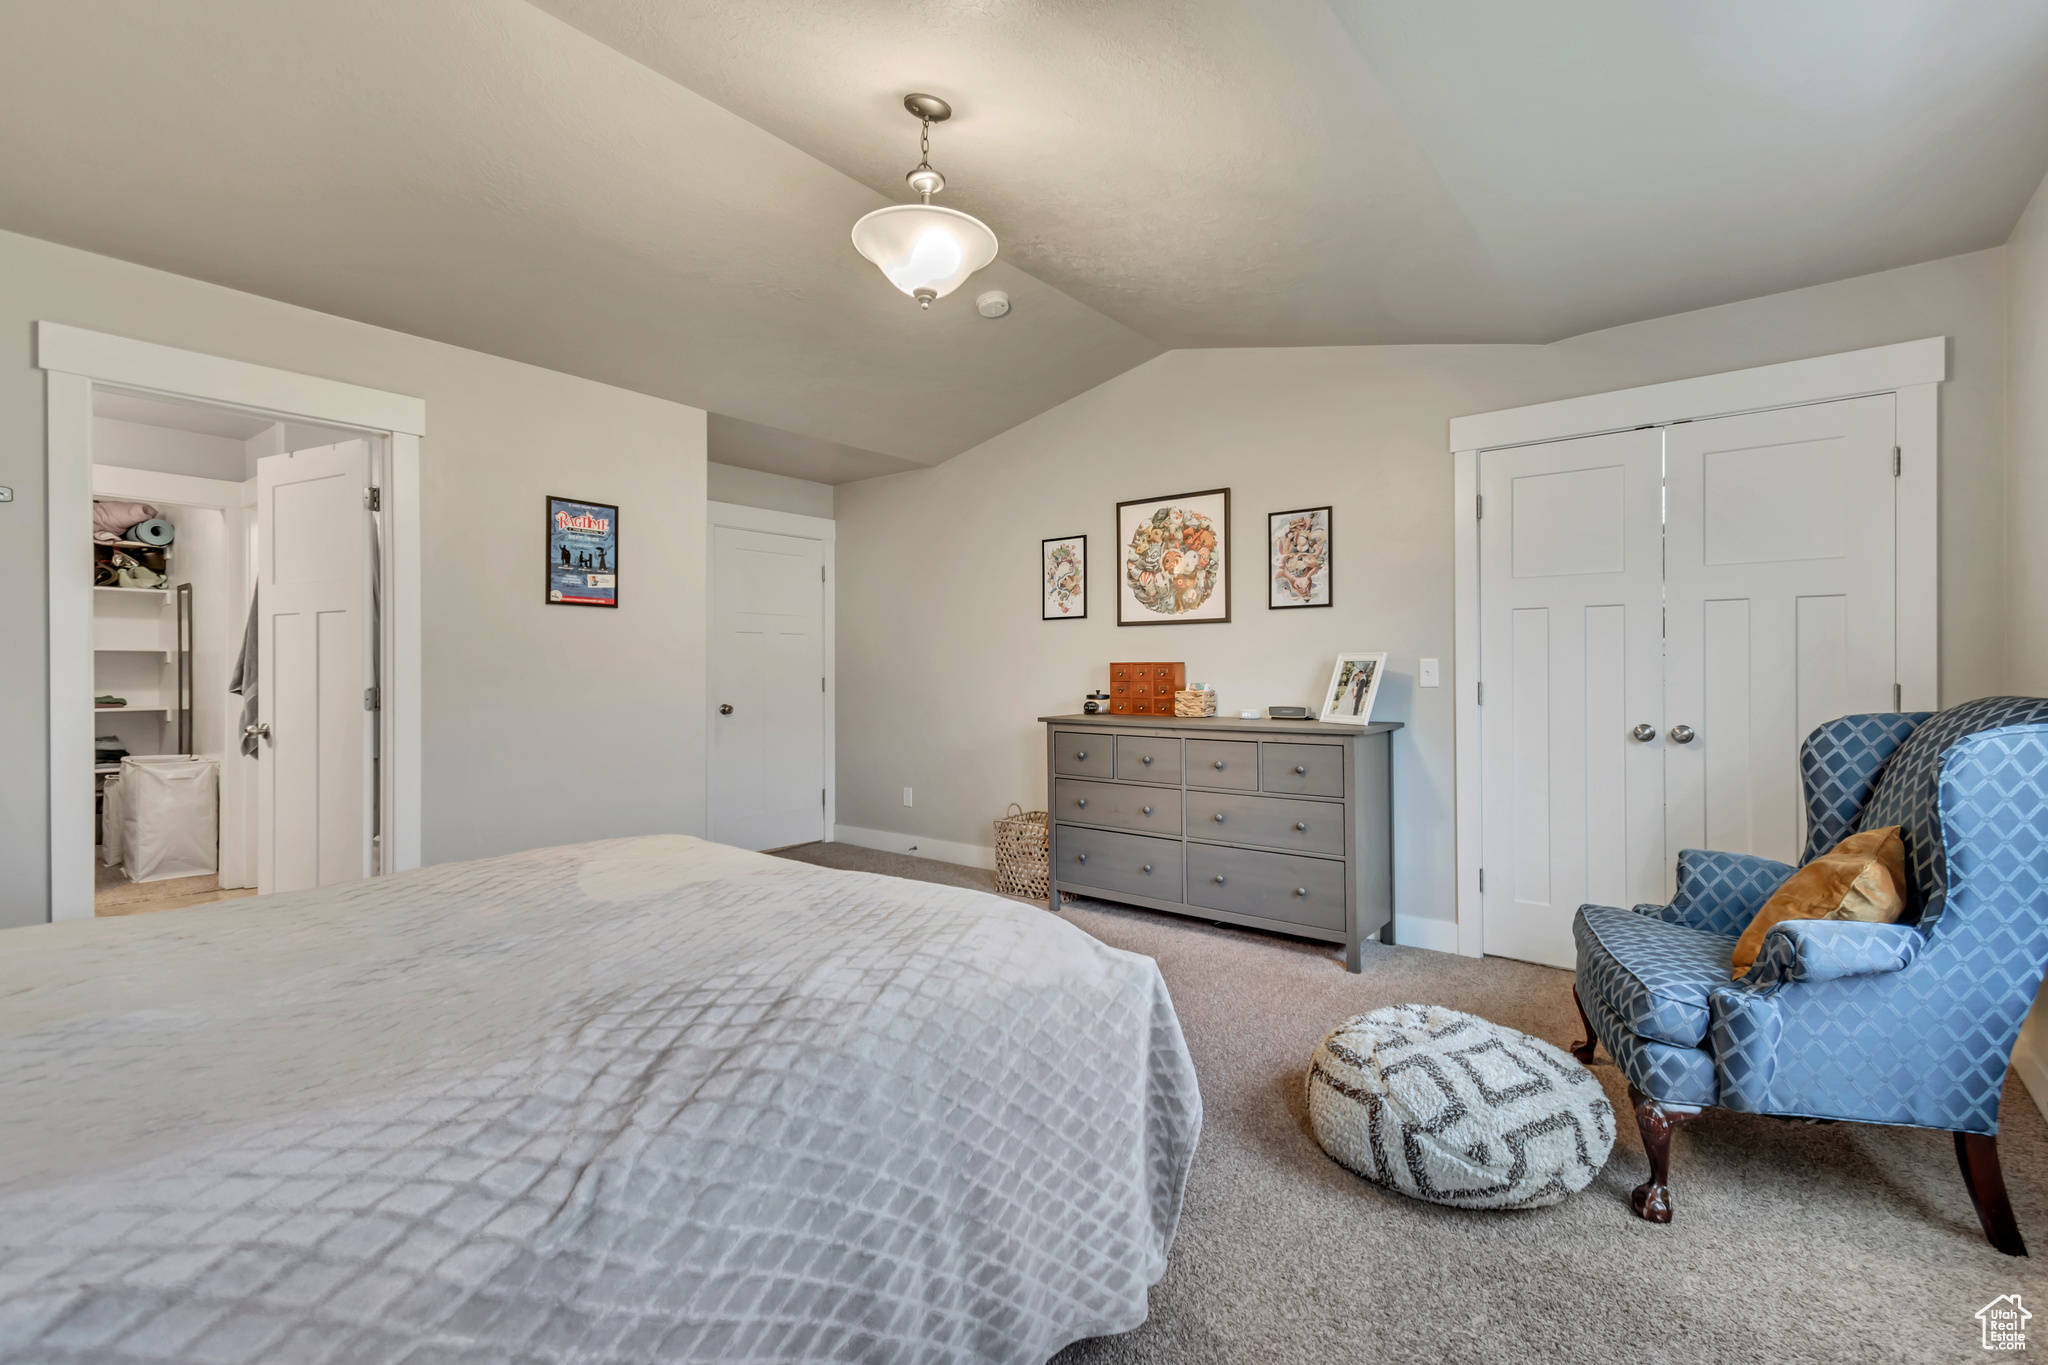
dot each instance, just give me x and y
(134, 592)
(132, 649)
(150, 710)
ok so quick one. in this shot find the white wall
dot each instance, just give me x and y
(944, 664)
(541, 724)
(134, 445)
(776, 492)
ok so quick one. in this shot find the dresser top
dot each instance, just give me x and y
(1267, 729)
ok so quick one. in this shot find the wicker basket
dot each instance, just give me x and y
(1021, 854)
(1187, 703)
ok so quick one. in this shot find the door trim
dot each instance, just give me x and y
(825, 530)
(1913, 371)
(74, 360)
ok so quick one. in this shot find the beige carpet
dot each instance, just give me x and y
(1791, 1242)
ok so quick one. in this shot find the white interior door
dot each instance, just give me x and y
(1780, 550)
(767, 688)
(1570, 646)
(313, 554)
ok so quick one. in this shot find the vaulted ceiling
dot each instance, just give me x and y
(657, 193)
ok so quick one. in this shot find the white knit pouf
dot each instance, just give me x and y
(1456, 1110)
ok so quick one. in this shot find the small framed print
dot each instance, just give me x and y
(1298, 544)
(1176, 560)
(1354, 682)
(1063, 576)
(583, 553)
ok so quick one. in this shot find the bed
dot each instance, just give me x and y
(640, 1100)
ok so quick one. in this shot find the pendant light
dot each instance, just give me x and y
(926, 251)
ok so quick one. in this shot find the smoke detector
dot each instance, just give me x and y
(993, 304)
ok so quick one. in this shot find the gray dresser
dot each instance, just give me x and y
(1282, 825)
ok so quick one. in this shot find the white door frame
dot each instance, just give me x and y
(1912, 370)
(74, 361)
(822, 529)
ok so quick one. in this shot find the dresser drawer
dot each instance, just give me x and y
(1154, 810)
(1129, 863)
(1302, 769)
(1232, 764)
(1143, 758)
(1273, 885)
(1077, 753)
(1274, 821)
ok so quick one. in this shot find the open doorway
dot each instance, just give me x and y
(233, 559)
(177, 553)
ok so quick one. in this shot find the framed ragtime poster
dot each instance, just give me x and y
(583, 553)
(1299, 545)
(1064, 567)
(1176, 554)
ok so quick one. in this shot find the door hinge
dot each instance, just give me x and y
(1482, 881)
(1478, 506)
(369, 699)
(821, 573)
(1898, 697)
(821, 684)
(821, 796)
(373, 499)
(1479, 693)
(1898, 462)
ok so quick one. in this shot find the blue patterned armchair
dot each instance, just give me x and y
(1910, 1023)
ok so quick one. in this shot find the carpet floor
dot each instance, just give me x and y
(1790, 1242)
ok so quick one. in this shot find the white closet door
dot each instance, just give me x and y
(1571, 592)
(1780, 580)
(313, 639)
(767, 685)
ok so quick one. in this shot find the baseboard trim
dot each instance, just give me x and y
(1437, 935)
(2027, 1059)
(918, 846)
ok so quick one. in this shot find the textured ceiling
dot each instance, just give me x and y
(656, 193)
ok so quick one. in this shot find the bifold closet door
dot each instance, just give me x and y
(1570, 646)
(313, 589)
(1780, 547)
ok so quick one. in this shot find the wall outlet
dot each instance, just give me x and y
(1429, 676)
(906, 796)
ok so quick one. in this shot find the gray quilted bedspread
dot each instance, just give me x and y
(641, 1100)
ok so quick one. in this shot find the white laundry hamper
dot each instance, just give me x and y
(170, 816)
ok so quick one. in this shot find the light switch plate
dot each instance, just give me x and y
(1429, 675)
(6, 495)
(906, 796)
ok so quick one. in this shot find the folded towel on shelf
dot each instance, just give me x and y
(111, 519)
(110, 700)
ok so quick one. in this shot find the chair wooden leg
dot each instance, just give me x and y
(1583, 1051)
(1652, 1199)
(1983, 1177)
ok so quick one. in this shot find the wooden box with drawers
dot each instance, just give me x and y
(1145, 689)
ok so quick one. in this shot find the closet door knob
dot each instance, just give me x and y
(263, 732)
(1300, 770)
(1301, 826)
(1148, 810)
(725, 708)
(1682, 734)
(1644, 733)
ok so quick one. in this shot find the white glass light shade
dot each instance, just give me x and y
(926, 251)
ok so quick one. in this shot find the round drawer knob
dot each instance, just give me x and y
(1081, 756)
(1300, 826)
(1081, 858)
(1219, 765)
(1219, 881)
(1300, 770)
(1148, 810)
(1219, 817)
(1301, 891)
(1148, 867)
(1148, 760)
(1082, 803)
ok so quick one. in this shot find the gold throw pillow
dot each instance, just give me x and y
(1860, 879)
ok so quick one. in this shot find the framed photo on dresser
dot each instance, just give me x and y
(1063, 564)
(1354, 683)
(1176, 559)
(1298, 544)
